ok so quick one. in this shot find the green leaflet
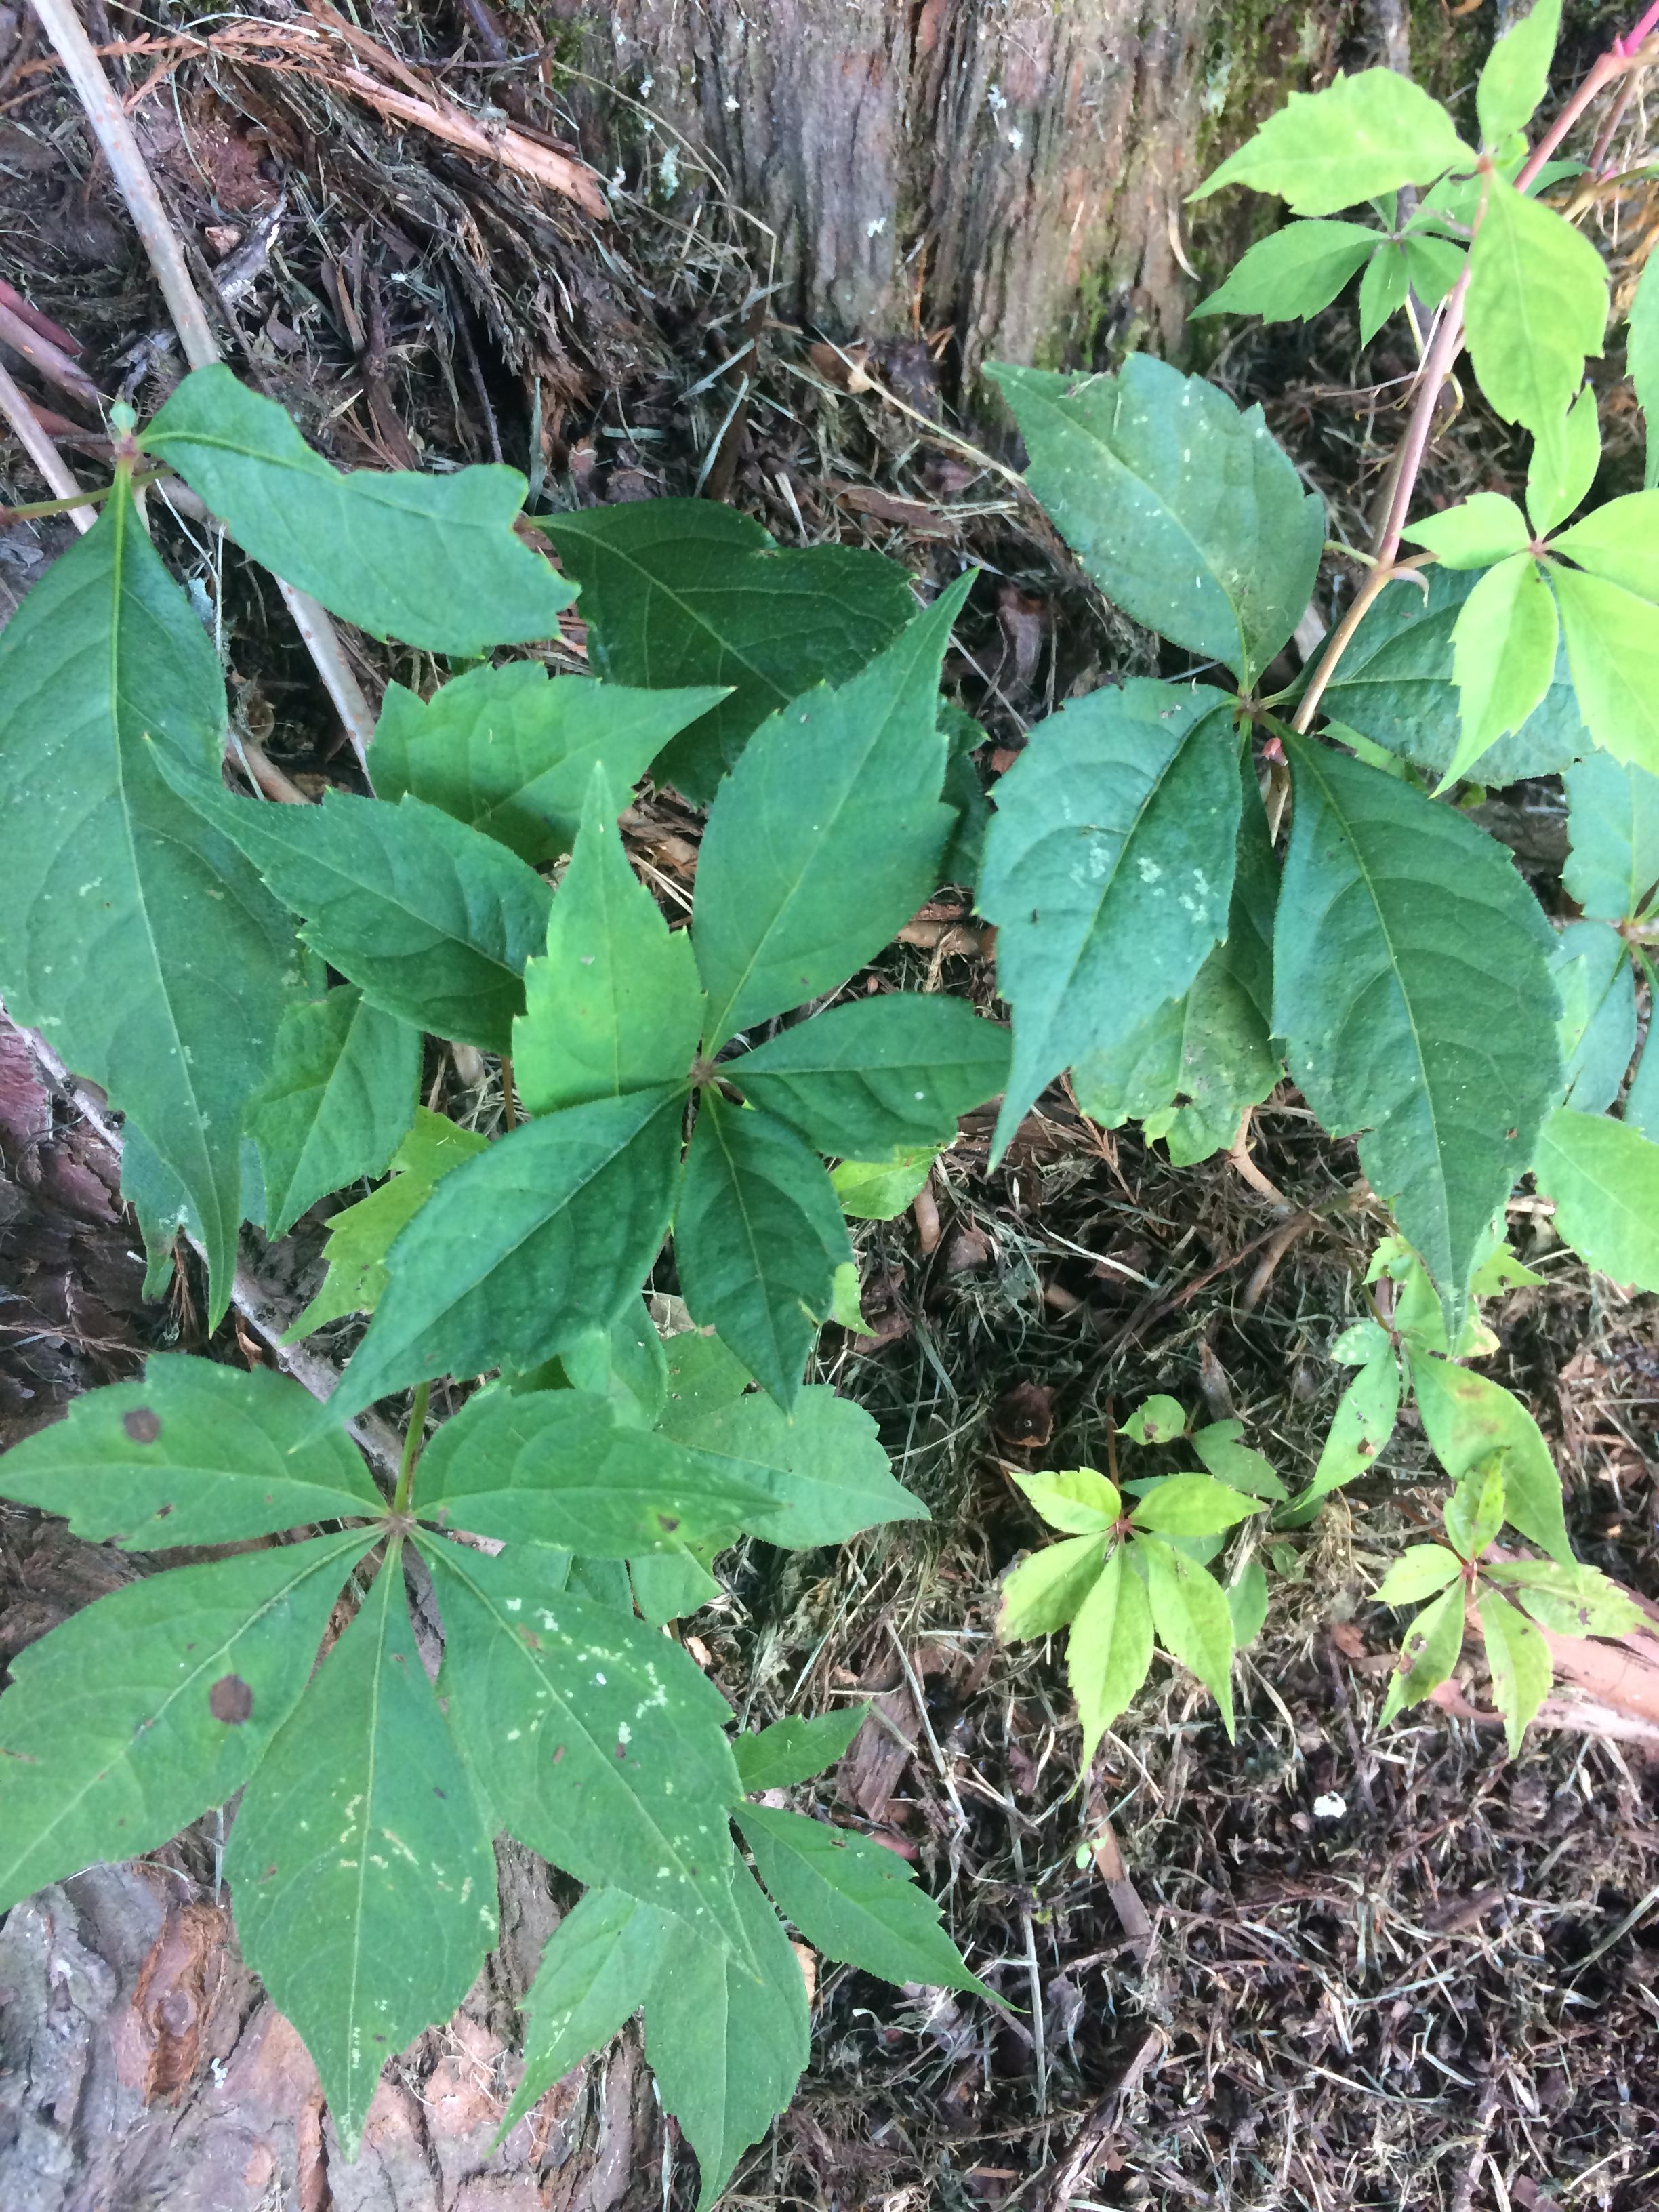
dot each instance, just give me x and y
(1473, 1513)
(432, 560)
(433, 920)
(360, 1863)
(190, 1454)
(795, 1748)
(1604, 1178)
(1428, 1652)
(758, 1236)
(337, 1103)
(854, 1899)
(1562, 469)
(626, 1363)
(1383, 289)
(1364, 135)
(685, 591)
(727, 2048)
(1157, 1420)
(133, 935)
(597, 1969)
(1642, 361)
(1537, 304)
(1411, 988)
(1042, 1594)
(1503, 655)
(875, 1074)
(517, 1253)
(1467, 1417)
(1293, 273)
(601, 1744)
(1183, 509)
(1077, 1499)
(842, 786)
(703, 1376)
(1618, 540)
(1109, 868)
(1395, 685)
(1592, 970)
(823, 1465)
(1108, 1649)
(561, 1468)
(360, 1235)
(880, 1190)
(1360, 1428)
(1613, 649)
(668, 1585)
(1520, 1662)
(512, 753)
(1517, 73)
(1192, 1505)
(1190, 1615)
(1422, 1571)
(1235, 1464)
(1613, 823)
(1568, 1601)
(1485, 528)
(151, 1705)
(615, 1006)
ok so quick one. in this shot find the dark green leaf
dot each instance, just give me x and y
(596, 1972)
(668, 1585)
(1293, 273)
(1219, 1451)
(1604, 1178)
(1363, 135)
(703, 1376)
(1612, 822)
(795, 1748)
(432, 560)
(339, 1101)
(1382, 288)
(963, 791)
(512, 754)
(683, 590)
(1183, 509)
(360, 1863)
(1593, 974)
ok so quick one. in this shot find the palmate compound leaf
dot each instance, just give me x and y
(1613, 827)
(339, 1101)
(518, 1253)
(854, 1899)
(841, 787)
(1412, 991)
(1108, 869)
(432, 560)
(687, 591)
(597, 1970)
(1182, 506)
(875, 1074)
(1362, 137)
(133, 934)
(433, 920)
(1468, 1417)
(561, 1468)
(795, 1748)
(128, 1722)
(360, 1862)
(1604, 1178)
(512, 752)
(1293, 273)
(1108, 1649)
(615, 1006)
(597, 1741)
(190, 1453)
(758, 1236)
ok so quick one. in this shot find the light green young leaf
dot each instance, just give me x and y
(561, 1468)
(1044, 1592)
(686, 591)
(1593, 973)
(1520, 1662)
(1537, 304)
(758, 1237)
(1562, 469)
(841, 786)
(361, 1864)
(133, 935)
(1572, 1601)
(1190, 1615)
(1230, 1461)
(337, 1103)
(1180, 505)
(192, 1452)
(1517, 72)
(795, 1748)
(1411, 988)
(1157, 1420)
(1382, 288)
(360, 1235)
(638, 1800)
(1420, 1572)
(511, 753)
(597, 1969)
(1502, 1271)
(1364, 135)
(728, 2042)
(145, 1708)
(1620, 541)
(1485, 528)
(1604, 1177)
(1293, 273)
(432, 560)
(1428, 1652)
(876, 1073)
(1192, 1505)
(1467, 1417)
(1641, 360)
(1504, 652)
(880, 1190)
(1109, 1650)
(854, 1899)
(1613, 825)
(524, 1247)
(1361, 1426)
(1613, 649)
(1473, 1513)
(615, 1006)
(1079, 1501)
(1433, 266)
(1109, 870)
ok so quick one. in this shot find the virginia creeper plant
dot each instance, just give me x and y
(253, 984)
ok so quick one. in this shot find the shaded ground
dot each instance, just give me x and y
(1317, 1968)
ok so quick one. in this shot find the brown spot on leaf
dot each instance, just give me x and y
(231, 1701)
(142, 1424)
